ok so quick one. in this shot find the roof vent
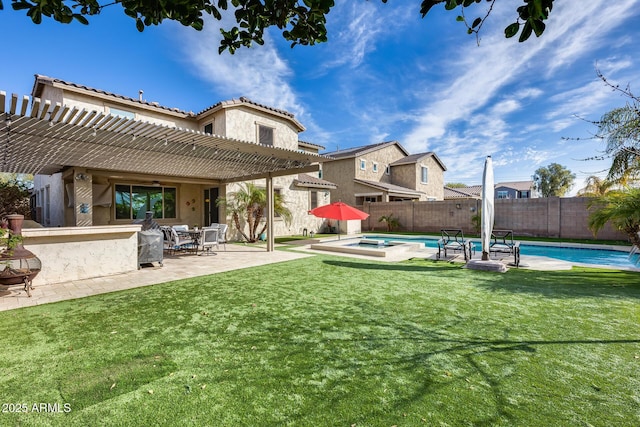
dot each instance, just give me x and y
(140, 92)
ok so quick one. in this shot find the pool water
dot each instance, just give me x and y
(571, 254)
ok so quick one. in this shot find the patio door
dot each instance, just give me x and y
(210, 208)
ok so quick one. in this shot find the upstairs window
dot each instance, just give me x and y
(363, 164)
(375, 167)
(502, 194)
(265, 135)
(387, 170)
(122, 113)
(208, 128)
(424, 175)
(525, 194)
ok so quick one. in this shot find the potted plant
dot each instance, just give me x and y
(8, 239)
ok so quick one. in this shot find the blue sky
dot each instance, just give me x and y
(385, 74)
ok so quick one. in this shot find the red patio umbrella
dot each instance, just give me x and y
(339, 211)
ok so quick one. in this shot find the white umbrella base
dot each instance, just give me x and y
(490, 265)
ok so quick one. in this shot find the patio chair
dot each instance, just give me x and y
(208, 239)
(181, 240)
(167, 238)
(453, 240)
(222, 235)
(502, 242)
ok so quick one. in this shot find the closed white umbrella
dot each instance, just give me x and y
(487, 207)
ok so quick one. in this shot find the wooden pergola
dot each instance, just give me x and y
(41, 137)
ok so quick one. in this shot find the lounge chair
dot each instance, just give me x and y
(453, 240)
(502, 242)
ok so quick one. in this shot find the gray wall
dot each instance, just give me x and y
(541, 217)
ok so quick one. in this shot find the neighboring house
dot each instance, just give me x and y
(471, 192)
(503, 190)
(384, 172)
(174, 193)
(515, 190)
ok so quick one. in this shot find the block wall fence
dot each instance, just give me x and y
(542, 217)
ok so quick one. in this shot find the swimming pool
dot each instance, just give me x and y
(582, 255)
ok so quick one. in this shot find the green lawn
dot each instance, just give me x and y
(333, 341)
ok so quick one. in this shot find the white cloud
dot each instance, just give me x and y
(354, 29)
(582, 27)
(506, 106)
(258, 73)
(482, 73)
(580, 101)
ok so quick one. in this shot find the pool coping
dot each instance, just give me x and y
(407, 251)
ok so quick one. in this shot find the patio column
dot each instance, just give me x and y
(82, 198)
(270, 214)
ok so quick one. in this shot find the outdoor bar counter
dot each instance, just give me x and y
(75, 253)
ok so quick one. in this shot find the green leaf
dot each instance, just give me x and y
(460, 18)
(81, 19)
(512, 30)
(427, 5)
(139, 25)
(526, 32)
(476, 22)
(21, 6)
(451, 4)
(538, 27)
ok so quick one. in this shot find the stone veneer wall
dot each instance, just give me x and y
(543, 217)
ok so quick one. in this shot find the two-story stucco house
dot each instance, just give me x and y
(515, 190)
(175, 163)
(384, 172)
(502, 190)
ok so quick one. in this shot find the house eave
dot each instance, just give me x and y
(45, 138)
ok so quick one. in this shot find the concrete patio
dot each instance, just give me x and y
(175, 268)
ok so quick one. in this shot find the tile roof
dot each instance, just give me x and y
(245, 100)
(517, 185)
(41, 79)
(473, 192)
(363, 149)
(389, 187)
(311, 144)
(414, 158)
(51, 81)
(305, 180)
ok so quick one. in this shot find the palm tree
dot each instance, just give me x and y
(250, 203)
(622, 209)
(392, 222)
(596, 187)
(620, 128)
